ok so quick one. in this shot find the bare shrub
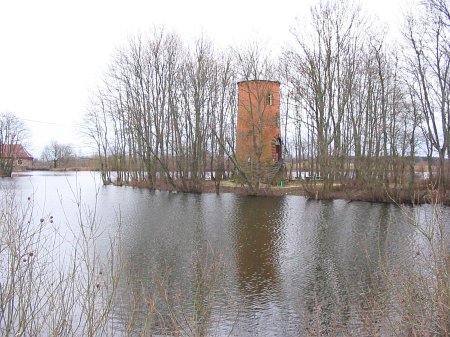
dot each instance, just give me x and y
(46, 290)
(423, 290)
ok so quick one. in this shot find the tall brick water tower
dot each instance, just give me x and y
(258, 140)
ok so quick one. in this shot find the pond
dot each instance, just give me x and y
(279, 266)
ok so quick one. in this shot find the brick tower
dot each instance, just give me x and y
(258, 141)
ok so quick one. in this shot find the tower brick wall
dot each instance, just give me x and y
(258, 123)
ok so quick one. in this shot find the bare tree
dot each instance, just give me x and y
(427, 34)
(12, 132)
(352, 124)
(223, 119)
(442, 7)
(323, 77)
(198, 76)
(165, 112)
(96, 128)
(57, 154)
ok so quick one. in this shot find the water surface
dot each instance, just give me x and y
(281, 258)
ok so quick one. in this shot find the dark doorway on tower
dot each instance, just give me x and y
(278, 149)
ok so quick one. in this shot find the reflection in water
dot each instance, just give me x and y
(284, 258)
(257, 234)
(333, 254)
(325, 287)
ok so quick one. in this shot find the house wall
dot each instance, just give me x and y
(22, 164)
(258, 122)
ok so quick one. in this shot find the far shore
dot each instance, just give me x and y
(288, 187)
(310, 191)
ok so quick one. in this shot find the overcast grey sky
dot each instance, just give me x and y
(53, 52)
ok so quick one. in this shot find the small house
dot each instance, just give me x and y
(20, 157)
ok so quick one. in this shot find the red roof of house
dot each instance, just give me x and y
(14, 151)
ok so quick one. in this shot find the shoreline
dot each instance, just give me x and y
(422, 194)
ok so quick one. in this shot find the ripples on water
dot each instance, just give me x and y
(282, 257)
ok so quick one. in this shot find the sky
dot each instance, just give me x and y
(53, 53)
